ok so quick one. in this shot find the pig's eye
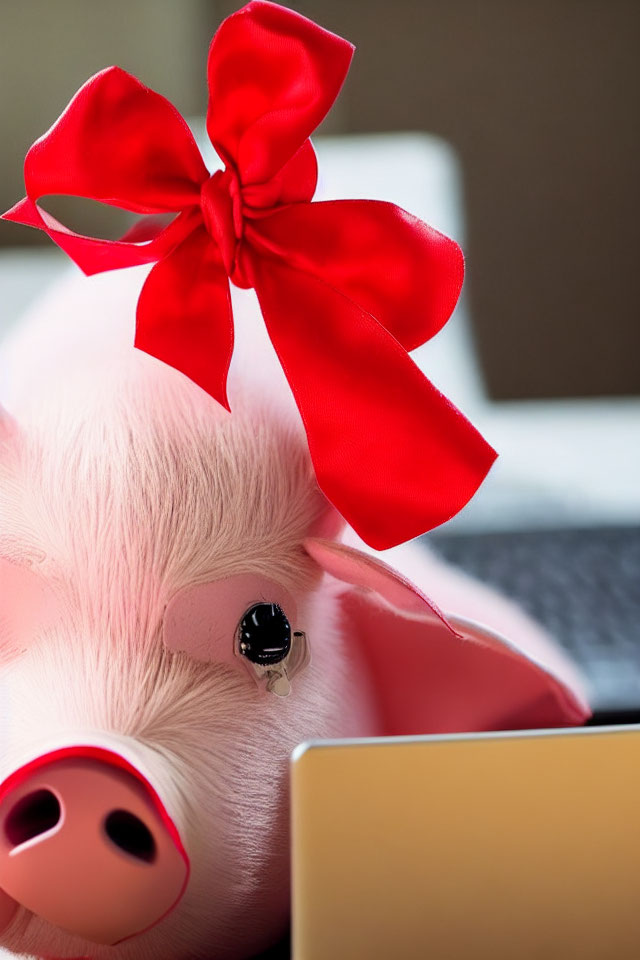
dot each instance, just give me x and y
(264, 634)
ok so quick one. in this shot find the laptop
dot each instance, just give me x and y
(468, 847)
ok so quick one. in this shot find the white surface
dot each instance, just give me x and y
(561, 463)
(24, 274)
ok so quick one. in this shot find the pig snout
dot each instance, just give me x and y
(86, 844)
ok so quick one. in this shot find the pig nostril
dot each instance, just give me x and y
(130, 834)
(32, 815)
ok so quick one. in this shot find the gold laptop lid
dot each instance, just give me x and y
(518, 846)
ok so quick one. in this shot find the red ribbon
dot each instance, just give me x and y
(345, 287)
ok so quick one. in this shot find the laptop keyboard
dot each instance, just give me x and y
(582, 585)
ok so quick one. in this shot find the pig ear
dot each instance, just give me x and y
(7, 425)
(329, 524)
(26, 604)
(433, 673)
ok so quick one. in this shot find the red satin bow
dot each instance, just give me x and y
(345, 287)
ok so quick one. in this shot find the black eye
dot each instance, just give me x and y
(265, 634)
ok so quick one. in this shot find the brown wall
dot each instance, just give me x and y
(541, 99)
(48, 48)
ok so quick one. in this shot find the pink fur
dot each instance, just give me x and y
(124, 484)
(121, 485)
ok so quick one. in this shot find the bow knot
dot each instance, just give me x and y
(221, 205)
(370, 281)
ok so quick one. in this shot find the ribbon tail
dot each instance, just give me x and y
(391, 453)
(184, 314)
(94, 255)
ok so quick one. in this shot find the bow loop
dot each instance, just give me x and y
(401, 271)
(120, 143)
(273, 77)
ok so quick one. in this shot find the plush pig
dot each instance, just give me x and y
(143, 807)
(181, 601)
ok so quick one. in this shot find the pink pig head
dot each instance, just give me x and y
(178, 611)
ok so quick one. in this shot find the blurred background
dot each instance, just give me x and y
(540, 100)
(511, 125)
